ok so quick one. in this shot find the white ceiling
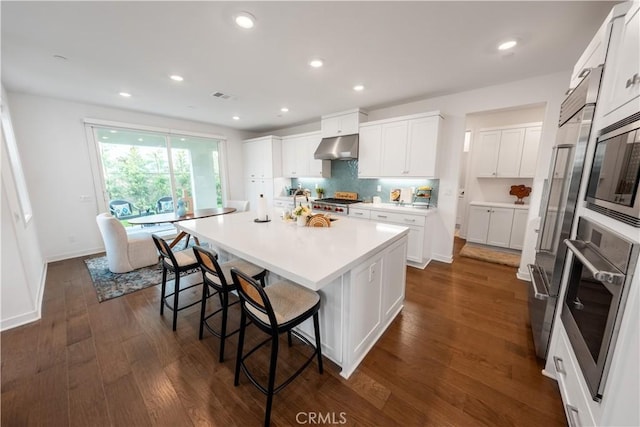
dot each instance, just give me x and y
(398, 50)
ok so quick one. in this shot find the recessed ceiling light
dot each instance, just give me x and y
(284, 109)
(507, 45)
(235, 118)
(245, 20)
(125, 94)
(358, 88)
(176, 78)
(316, 63)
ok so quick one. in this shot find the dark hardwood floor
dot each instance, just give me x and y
(459, 354)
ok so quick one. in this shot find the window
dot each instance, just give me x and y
(145, 172)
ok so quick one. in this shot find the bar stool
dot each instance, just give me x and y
(176, 262)
(276, 309)
(217, 276)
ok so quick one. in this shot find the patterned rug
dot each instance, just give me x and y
(490, 255)
(112, 285)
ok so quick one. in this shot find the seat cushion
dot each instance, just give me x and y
(184, 258)
(242, 265)
(288, 300)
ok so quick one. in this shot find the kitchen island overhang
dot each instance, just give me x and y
(357, 267)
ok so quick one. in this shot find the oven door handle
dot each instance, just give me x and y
(600, 275)
(533, 269)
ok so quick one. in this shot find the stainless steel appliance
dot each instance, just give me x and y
(601, 271)
(615, 174)
(338, 205)
(558, 206)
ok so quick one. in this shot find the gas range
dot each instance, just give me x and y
(335, 205)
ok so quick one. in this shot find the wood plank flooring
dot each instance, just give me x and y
(459, 354)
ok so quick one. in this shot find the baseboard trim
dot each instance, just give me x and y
(69, 255)
(523, 275)
(442, 258)
(30, 316)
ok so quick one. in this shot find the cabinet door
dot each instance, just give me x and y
(369, 151)
(349, 124)
(626, 86)
(289, 157)
(257, 186)
(365, 316)
(394, 149)
(422, 147)
(251, 156)
(415, 244)
(529, 156)
(478, 225)
(330, 126)
(394, 266)
(500, 223)
(312, 166)
(510, 154)
(486, 152)
(518, 228)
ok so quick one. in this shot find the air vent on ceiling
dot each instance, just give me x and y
(220, 95)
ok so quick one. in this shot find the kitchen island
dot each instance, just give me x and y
(357, 267)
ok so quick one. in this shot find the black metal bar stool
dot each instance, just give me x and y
(276, 309)
(217, 276)
(176, 262)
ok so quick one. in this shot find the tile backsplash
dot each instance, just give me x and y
(344, 177)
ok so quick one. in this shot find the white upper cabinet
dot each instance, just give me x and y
(345, 123)
(508, 153)
(262, 157)
(370, 152)
(621, 82)
(297, 157)
(400, 147)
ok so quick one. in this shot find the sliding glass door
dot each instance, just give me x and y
(145, 173)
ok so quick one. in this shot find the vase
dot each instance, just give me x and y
(301, 220)
(181, 211)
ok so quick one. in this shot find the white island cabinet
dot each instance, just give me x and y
(357, 267)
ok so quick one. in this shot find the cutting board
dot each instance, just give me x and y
(345, 195)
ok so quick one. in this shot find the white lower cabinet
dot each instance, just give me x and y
(576, 403)
(490, 225)
(256, 187)
(497, 226)
(418, 251)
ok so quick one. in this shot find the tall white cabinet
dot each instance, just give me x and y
(262, 162)
(507, 153)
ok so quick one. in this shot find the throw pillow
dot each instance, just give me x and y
(122, 209)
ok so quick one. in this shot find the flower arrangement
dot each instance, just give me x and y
(301, 211)
(320, 191)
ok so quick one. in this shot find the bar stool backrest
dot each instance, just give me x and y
(165, 251)
(209, 265)
(252, 293)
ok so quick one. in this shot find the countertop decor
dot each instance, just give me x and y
(520, 191)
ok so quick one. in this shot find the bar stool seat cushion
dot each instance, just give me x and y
(184, 258)
(242, 265)
(288, 301)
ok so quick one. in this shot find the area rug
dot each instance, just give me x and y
(112, 285)
(490, 255)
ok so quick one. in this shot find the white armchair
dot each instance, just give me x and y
(125, 253)
(240, 205)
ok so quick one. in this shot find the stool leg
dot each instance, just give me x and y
(203, 308)
(272, 377)
(243, 320)
(289, 341)
(176, 292)
(164, 289)
(224, 300)
(316, 327)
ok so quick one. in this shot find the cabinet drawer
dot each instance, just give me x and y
(360, 213)
(398, 218)
(575, 401)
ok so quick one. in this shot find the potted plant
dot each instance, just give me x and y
(302, 214)
(320, 192)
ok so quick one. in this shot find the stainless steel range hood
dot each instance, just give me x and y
(344, 147)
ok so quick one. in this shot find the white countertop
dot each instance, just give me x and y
(392, 207)
(499, 205)
(310, 256)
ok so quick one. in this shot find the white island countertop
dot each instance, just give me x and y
(310, 256)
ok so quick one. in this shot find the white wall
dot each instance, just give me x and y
(23, 268)
(55, 154)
